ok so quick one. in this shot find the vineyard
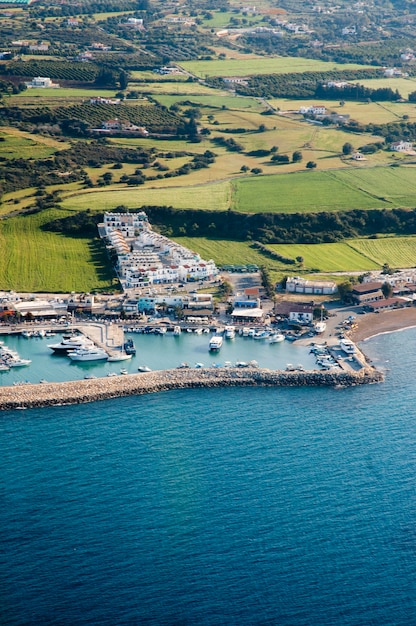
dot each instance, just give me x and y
(154, 118)
(80, 72)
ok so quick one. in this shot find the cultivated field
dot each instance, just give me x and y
(248, 67)
(327, 257)
(396, 251)
(32, 260)
(17, 144)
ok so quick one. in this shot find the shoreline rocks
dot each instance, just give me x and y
(83, 391)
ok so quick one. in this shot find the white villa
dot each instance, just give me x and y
(401, 146)
(146, 257)
(41, 81)
(314, 109)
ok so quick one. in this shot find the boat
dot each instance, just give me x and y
(253, 363)
(276, 338)
(348, 346)
(246, 331)
(229, 332)
(199, 365)
(143, 368)
(129, 347)
(183, 366)
(4, 367)
(112, 374)
(320, 327)
(71, 343)
(27, 334)
(261, 334)
(90, 377)
(176, 331)
(215, 343)
(88, 354)
(123, 371)
(241, 364)
(198, 331)
(19, 362)
(119, 356)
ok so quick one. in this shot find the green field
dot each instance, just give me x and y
(62, 92)
(211, 197)
(22, 145)
(396, 251)
(35, 261)
(248, 67)
(327, 257)
(214, 101)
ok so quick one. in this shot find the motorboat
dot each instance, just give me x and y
(88, 354)
(143, 368)
(4, 367)
(71, 343)
(129, 347)
(320, 327)
(215, 343)
(199, 365)
(229, 332)
(112, 374)
(198, 331)
(245, 331)
(123, 371)
(348, 346)
(119, 356)
(276, 338)
(261, 334)
(183, 366)
(176, 331)
(19, 362)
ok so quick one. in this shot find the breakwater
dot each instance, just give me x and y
(81, 391)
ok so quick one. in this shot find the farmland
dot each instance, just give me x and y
(328, 257)
(33, 260)
(395, 251)
(248, 67)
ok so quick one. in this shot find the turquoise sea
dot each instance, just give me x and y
(289, 507)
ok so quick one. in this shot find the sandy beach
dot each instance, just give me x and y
(387, 321)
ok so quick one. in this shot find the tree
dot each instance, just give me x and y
(123, 80)
(256, 170)
(347, 148)
(297, 156)
(387, 290)
(300, 260)
(344, 291)
(311, 165)
(244, 168)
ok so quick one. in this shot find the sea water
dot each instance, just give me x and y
(289, 507)
(155, 351)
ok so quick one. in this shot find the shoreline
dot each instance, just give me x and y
(372, 324)
(80, 392)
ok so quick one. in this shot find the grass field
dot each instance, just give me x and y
(327, 257)
(212, 197)
(19, 144)
(214, 101)
(62, 92)
(32, 260)
(404, 85)
(396, 251)
(247, 67)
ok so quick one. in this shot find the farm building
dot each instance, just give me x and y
(401, 146)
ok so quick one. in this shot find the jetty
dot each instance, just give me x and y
(82, 391)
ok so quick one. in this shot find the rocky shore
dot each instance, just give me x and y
(81, 391)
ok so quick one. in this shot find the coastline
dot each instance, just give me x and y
(78, 392)
(371, 324)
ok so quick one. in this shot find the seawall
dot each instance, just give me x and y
(81, 391)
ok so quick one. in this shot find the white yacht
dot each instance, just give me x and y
(320, 327)
(119, 356)
(71, 343)
(176, 331)
(215, 343)
(88, 354)
(19, 362)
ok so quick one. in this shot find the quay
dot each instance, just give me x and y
(82, 391)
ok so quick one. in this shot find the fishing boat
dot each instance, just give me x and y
(347, 346)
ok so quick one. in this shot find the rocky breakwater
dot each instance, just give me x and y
(80, 391)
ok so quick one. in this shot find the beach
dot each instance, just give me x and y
(386, 321)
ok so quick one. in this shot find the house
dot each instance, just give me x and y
(393, 72)
(41, 47)
(367, 292)
(296, 312)
(357, 156)
(43, 82)
(313, 109)
(99, 100)
(246, 310)
(300, 285)
(401, 146)
(389, 303)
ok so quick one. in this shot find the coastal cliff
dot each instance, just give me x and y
(81, 391)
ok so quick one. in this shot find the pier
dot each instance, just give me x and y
(82, 391)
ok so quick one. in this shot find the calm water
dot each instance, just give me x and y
(292, 507)
(155, 351)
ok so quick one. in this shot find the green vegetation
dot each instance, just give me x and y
(250, 67)
(395, 251)
(32, 260)
(328, 257)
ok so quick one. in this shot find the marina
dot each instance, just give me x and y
(75, 359)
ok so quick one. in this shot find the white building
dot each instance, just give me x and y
(401, 146)
(296, 284)
(43, 82)
(313, 109)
